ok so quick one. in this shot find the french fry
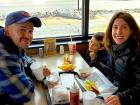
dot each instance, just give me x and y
(90, 85)
(67, 65)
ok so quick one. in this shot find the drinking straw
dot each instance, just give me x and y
(70, 38)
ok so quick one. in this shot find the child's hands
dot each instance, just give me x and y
(92, 55)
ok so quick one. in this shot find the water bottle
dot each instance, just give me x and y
(74, 95)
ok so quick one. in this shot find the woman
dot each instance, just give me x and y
(122, 42)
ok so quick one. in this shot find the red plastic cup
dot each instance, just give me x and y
(72, 47)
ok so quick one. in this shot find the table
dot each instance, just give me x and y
(38, 98)
(52, 62)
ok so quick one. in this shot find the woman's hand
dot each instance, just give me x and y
(112, 100)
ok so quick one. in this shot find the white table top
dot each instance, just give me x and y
(38, 97)
(52, 62)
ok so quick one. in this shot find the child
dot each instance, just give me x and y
(96, 54)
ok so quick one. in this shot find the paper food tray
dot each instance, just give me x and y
(66, 80)
(104, 86)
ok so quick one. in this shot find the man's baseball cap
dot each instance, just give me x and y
(22, 17)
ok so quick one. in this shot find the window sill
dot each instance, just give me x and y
(38, 45)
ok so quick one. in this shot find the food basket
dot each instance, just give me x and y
(66, 80)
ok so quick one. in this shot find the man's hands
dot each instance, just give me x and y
(46, 71)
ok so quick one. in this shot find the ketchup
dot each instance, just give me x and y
(74, 95)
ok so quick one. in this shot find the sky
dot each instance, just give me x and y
(44, 5)
(110, 5)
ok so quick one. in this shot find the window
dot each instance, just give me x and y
(59, 17)
(70, 17)
(102, 10)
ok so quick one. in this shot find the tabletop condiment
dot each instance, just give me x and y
(74, 95)
(41, 52)
(61, 49)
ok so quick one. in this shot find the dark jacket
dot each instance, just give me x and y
(100, 62)
(125, 68)
(101, 57)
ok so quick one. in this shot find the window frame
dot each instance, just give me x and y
(39, 42)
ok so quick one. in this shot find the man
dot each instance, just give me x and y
(16, 87)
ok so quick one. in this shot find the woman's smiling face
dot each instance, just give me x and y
(120, 31)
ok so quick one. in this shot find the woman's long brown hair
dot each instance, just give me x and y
(108, 41)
